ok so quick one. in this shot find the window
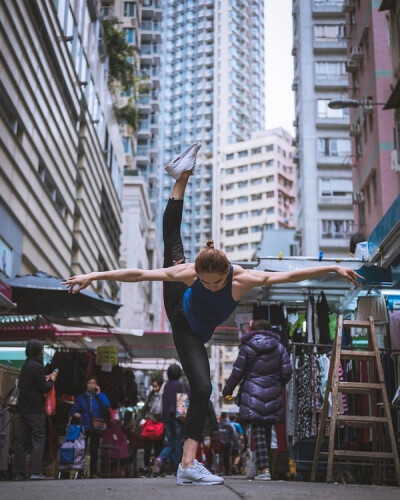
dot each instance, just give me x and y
(230, 232)
(270, 194)
(270, 163)
(243, 246)
(130, 36)
(329, 33)
(256, 229)
(269, 226)
(334, 147)
(243, 199)
(229, 186)
(269, 147)
(243, 230)
(257, 196)
(336, 229)
(256, 213)
(256, 166)
(330, 70)
(243, 168)
(243, 153)
(229, 248)
(230, 217)
(243, 184)
(243, 215)
(256, 151)
(255, 182)
(129, 9)
(374, 188)
(229, 201)
(323, 111)
(270, 210)
(230, 156)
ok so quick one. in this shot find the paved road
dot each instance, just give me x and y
(166, 489)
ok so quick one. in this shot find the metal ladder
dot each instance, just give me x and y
(376, 390)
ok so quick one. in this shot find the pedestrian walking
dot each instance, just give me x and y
(92, 407)
(173, 425)
(152, 410)
(226, 436)
(33, 384)
(262, 368)
(198, 297)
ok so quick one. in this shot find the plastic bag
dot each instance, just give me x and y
(50, 402)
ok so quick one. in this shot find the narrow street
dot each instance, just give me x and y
(165, 488)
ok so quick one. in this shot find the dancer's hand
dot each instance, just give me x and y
(350, 275)
(80, 281)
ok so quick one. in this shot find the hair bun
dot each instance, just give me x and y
(210, 243)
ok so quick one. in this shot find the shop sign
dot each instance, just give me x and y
(107, 354)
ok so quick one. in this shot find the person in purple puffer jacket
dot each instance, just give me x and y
(264, 367)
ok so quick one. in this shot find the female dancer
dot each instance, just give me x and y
(198, 297)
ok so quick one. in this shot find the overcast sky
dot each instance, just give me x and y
(279, 99)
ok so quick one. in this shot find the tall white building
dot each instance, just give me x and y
(212, 91)
(323, 157)
(256, 191)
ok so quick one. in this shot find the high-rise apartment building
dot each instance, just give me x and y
(212, 91)
(375, 182)
(141, 24)
(60, 147)
(324, 157)
(256, 187)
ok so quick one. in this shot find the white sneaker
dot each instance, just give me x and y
(196, 475)
(265, 476)
(183, 162)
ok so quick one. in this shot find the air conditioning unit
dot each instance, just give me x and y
(294, 50)
(368, 107)
(356, 52)
(358, 197)
(355, 130)
(351, 65)
(348, 6)
(295, 84)
(395, 164)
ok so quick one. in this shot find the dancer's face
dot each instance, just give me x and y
(213, 281)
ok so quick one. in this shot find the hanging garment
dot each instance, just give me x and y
(323, 319)
(376, 307)
(394, 327)
(310, 319)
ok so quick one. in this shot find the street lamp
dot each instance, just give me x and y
(352, 103)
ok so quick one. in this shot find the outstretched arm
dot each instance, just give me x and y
(249, 278)
(183, 272)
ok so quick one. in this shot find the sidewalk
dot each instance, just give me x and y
(166, 489)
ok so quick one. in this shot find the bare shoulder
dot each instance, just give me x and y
(246, 279)
(183, 272)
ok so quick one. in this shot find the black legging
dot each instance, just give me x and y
(191, 350)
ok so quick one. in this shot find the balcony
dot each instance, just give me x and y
(344, 201)
(327, 8)
(334, 161)
(324, 82)
(330, 45)
(328, 122)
